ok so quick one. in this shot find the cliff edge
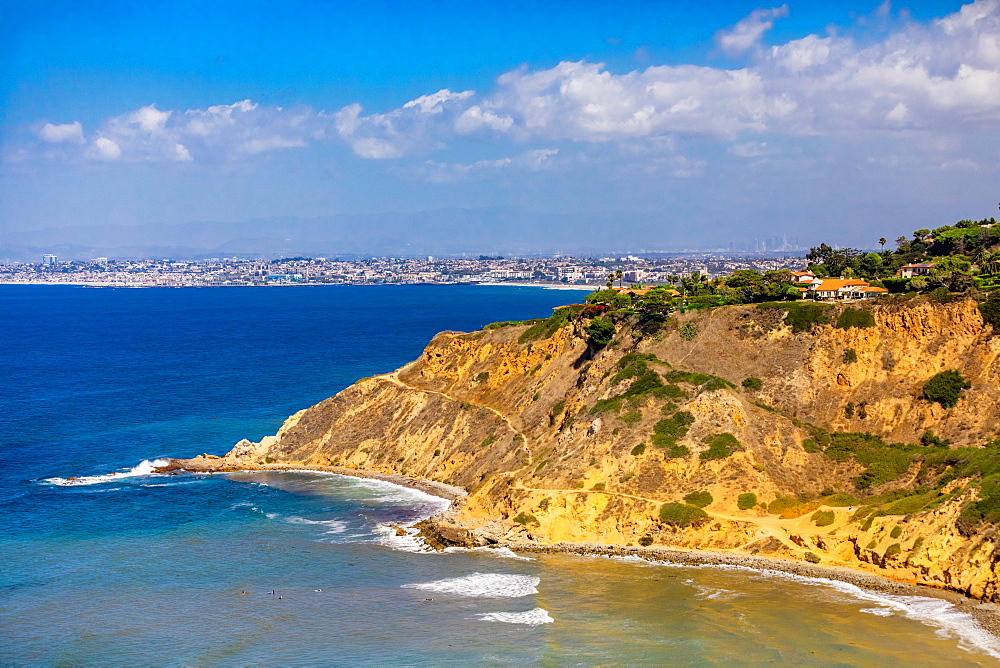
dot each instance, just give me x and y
(732, 430)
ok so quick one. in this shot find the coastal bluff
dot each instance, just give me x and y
(724, 430)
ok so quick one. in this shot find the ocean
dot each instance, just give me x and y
(103, 563)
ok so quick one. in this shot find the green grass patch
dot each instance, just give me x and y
(613, 404)
(488, 441)
(510, 323)
(852, 317)
(639, 449)
(631, 418)
(883, 462)
(544, 329)
(753, 384)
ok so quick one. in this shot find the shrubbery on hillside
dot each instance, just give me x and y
(946, 387)
(680, 515)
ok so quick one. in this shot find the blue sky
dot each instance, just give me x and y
(698, 122)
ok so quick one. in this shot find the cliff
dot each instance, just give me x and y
(555, 439)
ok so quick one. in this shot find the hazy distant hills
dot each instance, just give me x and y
(497, 230)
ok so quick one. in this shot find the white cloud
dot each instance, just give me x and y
(940, 77)
(57, 134)
(107, 149)
(476, 118)
(432, 104)
(746, 34)
(416, 125)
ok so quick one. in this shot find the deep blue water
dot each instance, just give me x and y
(137, 569)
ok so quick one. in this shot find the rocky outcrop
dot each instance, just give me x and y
(530, 429)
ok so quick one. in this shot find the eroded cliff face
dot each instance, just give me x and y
(515, 424)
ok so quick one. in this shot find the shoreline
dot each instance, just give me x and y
(987, 615)
(203, 464)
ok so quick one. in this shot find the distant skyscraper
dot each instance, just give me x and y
(50, 259)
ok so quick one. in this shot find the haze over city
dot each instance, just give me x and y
(446, 128)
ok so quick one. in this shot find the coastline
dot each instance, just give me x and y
(987, 615)
(107, 284)
(210, 464)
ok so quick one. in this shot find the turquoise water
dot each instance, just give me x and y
(121, 567)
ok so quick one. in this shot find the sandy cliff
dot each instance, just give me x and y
(554, 441)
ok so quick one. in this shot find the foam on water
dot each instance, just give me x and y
(332, 526)
(530, 617)
(143, 468)
(483, 585)
(503, 552)
(409, 541)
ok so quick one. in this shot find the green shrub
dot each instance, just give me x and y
(688, 331)
(524, 518)
(809, 445)
(599, 487)
(812, 558)
(746, 501)
(605, 405)
(488, 440)
(940, 295)
(482, 377)
(824, 518)
(646, 541)
(543, 505)
(720, 446)
(850, 356)
(678, 514)
(946, 387)
(849, 410)
(990, 310)
(753, 384)
(600, 331)
(699, 499)
(893, 550)
(896, 532)
(803, 316)
(639, 449)
(668, 408)
(699, 379)
(851, 317)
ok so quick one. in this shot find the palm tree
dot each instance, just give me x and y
(882, 242)
(618, 275)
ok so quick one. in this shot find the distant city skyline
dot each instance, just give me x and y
(447, 128)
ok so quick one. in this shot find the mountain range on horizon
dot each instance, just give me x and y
(446, 231)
